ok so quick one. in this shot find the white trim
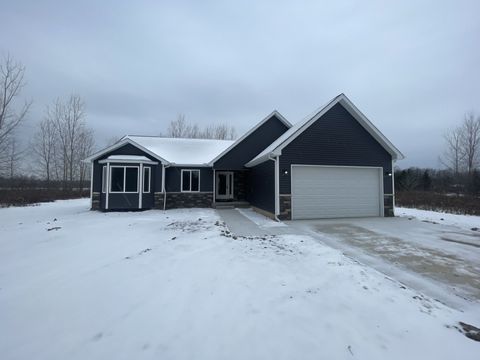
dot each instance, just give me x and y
(181, 181)
(277, 186)
(139, 186)
(91, 185)
(214, 187)
(124, 179)
(163, 178)
(381, 173)
(108, 186)
(115, 161)
(240, 139)
(278, 145)
(104, 179)
(393, 188)
(119, 144)
(231, 194)
(149, 168)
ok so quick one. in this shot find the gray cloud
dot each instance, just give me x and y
(411, 67)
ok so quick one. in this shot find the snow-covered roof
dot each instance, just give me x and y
(180, 151)
(275, 148)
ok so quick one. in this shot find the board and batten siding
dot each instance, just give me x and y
(335, 139)
(252, 145)
(261, 192)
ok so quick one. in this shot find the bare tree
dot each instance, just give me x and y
(454, 155)
(85, 145)
(180, 128)
(470, 141)
(63, 140)
(44, 142)
(11, 114)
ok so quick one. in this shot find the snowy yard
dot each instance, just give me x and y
(76, 284)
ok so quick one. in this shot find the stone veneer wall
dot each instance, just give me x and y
(285, 207)
(95, 201)
(177, 200)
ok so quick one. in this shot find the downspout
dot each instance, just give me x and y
(108, 186)
(91, 187)
(163, 186)
(393, 187)
(214, 189)
(276, 160)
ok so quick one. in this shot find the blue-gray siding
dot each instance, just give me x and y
(261, 192)
(335, 139)
(252, 145)
(173, 178)
(127, 201)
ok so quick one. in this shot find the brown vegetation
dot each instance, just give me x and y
(452, 203)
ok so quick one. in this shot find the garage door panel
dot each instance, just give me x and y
(328, 192)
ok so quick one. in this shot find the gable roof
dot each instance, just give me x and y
(240, 139)
(172, 151)
(275, 148)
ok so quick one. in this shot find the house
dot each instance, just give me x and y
(334, 163)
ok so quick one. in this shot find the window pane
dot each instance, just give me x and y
(104, 179)
(195, 180)
(146, 179)
(131, 180)
(117, 179)
(186, 181)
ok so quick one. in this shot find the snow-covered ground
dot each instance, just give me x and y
(463, 221)
(76, 284)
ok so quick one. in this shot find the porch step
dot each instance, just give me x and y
(231, 204)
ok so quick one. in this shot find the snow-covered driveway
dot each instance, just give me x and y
(417, 247)
(76, 284)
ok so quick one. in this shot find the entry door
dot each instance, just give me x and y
(224, 185)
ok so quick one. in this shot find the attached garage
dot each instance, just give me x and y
(336, 191)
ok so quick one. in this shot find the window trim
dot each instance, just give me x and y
(145, 168)
(104, 179)
(124, 167)
(190, 187)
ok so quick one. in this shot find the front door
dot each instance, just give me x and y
(224, 185)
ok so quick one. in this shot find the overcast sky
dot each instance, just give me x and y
(412, 67)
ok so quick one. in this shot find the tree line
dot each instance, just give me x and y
(62, 138)
(60, 141)
(461, 159)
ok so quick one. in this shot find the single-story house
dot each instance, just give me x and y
(334, 163)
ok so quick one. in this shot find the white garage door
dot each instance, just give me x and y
(333, 191)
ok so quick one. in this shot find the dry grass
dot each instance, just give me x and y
(23, 197)
(451, 203)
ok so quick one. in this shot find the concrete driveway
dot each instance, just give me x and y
(442, 261)
(411, 251)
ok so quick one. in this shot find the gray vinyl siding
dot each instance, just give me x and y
(334, 139)
(261, 192)
(252, 145)
(173, 178)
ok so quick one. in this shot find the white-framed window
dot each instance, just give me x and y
(146, 179)
(104, 179)
(124, 179)
(190, 180)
